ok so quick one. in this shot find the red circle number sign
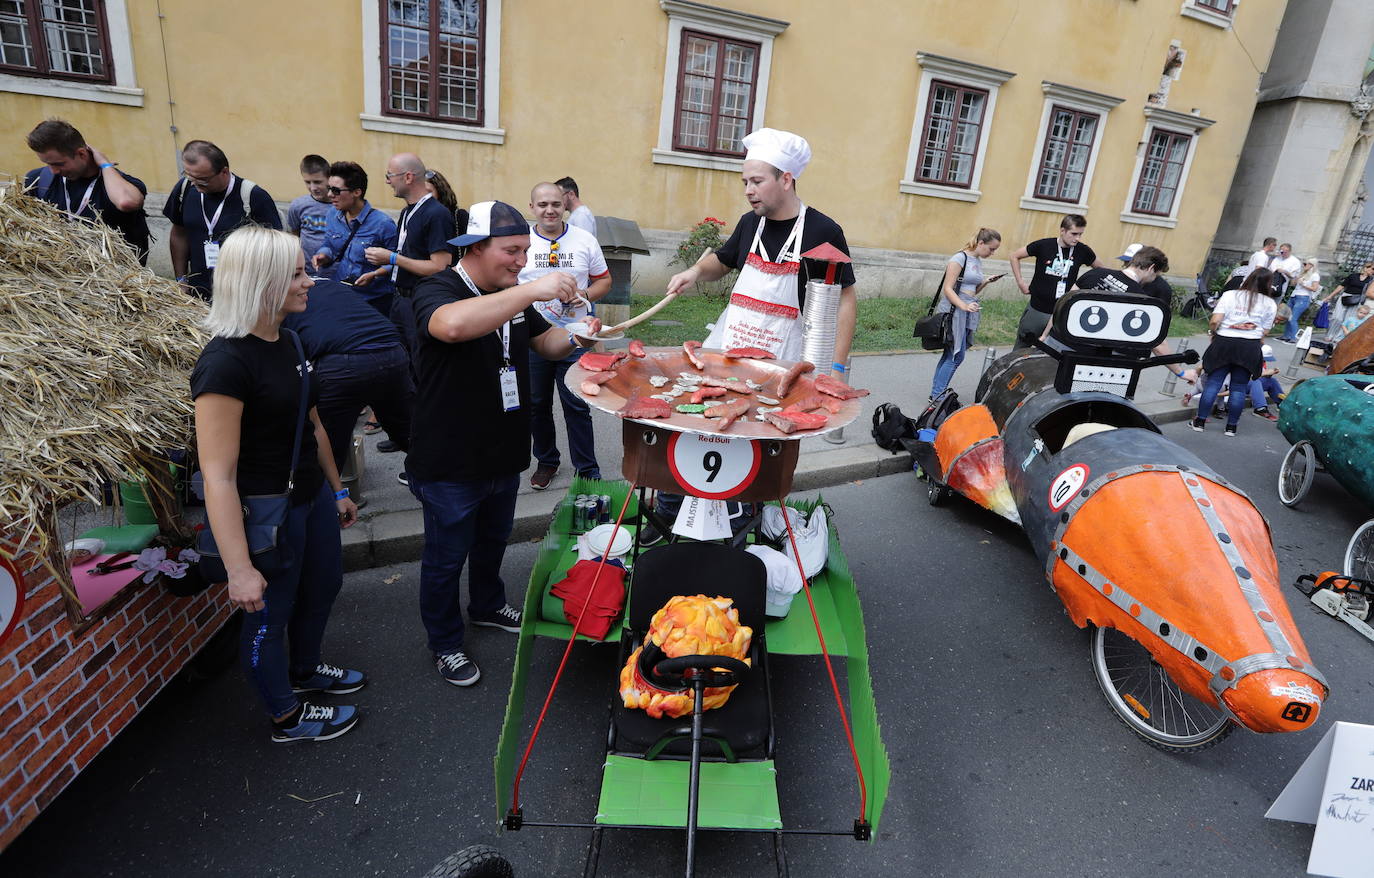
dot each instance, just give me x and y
(1067, 485)
(11, 598)
(713, 467)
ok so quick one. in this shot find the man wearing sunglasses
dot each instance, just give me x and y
(353, 226)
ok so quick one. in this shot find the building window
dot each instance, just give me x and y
(950, 131)
(954, 125)
(433, 59)
(715, 94)
(57, 39)
(1161, 173)
(1218, 13)
(715, 84)
(1225, 7)
(1068, 149)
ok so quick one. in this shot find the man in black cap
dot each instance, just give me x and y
(470, 435)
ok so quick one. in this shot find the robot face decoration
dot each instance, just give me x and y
(1130, 324)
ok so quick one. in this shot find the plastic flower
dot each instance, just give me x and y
(174, 569)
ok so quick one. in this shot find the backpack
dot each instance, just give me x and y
(890, 427)
(246, 188)
(939, 410)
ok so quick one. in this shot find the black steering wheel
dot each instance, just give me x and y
(712, 670)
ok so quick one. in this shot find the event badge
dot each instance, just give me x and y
(510, 391)
(211, 254)
(1059, 289)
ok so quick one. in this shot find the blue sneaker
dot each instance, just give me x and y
(331, 681)
(507, 619)
(456, 668)
(317, 724)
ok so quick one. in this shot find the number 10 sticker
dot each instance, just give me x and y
(1067, 485)
(713, 467)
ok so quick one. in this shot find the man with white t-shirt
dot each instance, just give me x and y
(1261, 258)
(556, 245)
(579, 214)
(1285, 266)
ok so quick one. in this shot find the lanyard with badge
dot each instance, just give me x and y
(1060, 268)
(405, 230)
(212, 246)
(85, 199)
(510, 389)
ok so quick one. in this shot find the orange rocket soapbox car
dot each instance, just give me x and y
(1170, 562)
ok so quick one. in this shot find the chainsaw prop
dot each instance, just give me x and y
(1170, 562)
(685, 626)
(1344, 597)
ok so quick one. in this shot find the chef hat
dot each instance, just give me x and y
(781, 149)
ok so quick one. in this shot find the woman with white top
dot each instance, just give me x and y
(1239, 323)
(962, 283)
(1307, 285)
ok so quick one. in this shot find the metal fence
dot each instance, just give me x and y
(1357, 248)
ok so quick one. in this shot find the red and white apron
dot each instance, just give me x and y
(763, 311)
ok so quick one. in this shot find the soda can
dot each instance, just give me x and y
(579, 519)
(605, 509)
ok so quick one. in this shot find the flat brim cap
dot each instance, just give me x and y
(491, 219)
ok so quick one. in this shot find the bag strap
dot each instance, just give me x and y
(343, 251)
(941, 289)
(304, 407)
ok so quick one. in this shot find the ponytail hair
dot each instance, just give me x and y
(983, 236)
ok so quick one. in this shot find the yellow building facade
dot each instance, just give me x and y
(927, 119)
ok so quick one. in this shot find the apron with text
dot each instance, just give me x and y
(763, 311)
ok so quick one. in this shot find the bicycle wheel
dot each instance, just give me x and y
(1144, 697)
(1296, 472)
(1359, 554)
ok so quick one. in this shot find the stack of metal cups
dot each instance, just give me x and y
(819, 319)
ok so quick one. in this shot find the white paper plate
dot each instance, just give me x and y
(599, 536)
(579, 328)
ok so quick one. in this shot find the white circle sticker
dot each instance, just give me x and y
(713, 467)
(11, 597)
(1067, 485)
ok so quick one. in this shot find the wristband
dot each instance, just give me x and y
(839, 367)
(341, 494)
(572, 340)
(393, 257)
(107, 165)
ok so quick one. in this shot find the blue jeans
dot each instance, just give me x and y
(348, 382)
(463, 520)
(1299, 304)
(1235, 405)
(1262, 386)
(577, 415)
(282, 640)
(949, 362)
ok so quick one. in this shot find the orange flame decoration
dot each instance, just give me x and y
(695, 625)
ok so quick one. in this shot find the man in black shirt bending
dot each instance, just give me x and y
(85, 184)
(470, 435)
(1057, 263)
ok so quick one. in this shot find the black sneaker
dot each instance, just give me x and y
(387, 446)
(317, 723)
(331, 680)
(457, 668)
(649, 535)
(1198, 424)
(1230, 430)
(507, 619)
(403, 478)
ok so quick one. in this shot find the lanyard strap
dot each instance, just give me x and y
(504, 334)
(407, 216)
(793, 238)
(1058, 248)
(85, 199)
(210, 221)
(304, 366)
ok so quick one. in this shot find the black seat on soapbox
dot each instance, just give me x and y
(745, 721)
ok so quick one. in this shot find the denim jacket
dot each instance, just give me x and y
(374, 229)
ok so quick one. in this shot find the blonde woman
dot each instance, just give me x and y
(963, 281)
(1307, 284)
(246, 386)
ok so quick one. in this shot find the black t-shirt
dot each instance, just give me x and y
(265, 376)
(426, 228)
(132, 225)
(1043, 284)
(460, 431)
(1113, 281)
(818, 229)
(1353, 286)
(338, 320)
(198, 208)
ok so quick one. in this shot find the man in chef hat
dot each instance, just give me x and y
(766, 246)
(766, 302)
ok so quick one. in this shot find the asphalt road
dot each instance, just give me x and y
(1006, 760)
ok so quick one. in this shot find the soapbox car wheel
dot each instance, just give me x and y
(1359, 554)
(1295, 475)
(936, 493)
(473, 861)
(1148, 701)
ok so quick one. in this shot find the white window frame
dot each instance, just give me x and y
(717, 22)
(371, 116)
(1170, 120)
(124, 91)
(1209, 15)
(939, 67)
(1057, 95)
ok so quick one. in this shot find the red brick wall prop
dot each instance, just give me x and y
(65, 693)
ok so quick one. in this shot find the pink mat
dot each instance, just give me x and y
(95, 590)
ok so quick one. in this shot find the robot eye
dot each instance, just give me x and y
(1093, 320)
(1137, 323)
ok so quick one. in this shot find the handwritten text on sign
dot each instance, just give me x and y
(714, 467)
(1334, 788)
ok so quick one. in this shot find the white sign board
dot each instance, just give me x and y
(714, 467)
(1334, 789)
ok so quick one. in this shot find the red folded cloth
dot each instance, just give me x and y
(607, 599)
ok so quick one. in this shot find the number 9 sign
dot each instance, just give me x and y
(713, 467)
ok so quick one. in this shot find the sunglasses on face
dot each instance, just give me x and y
(335, 190)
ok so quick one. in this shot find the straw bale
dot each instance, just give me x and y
(95, 351)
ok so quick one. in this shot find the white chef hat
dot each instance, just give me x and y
(781, 149)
